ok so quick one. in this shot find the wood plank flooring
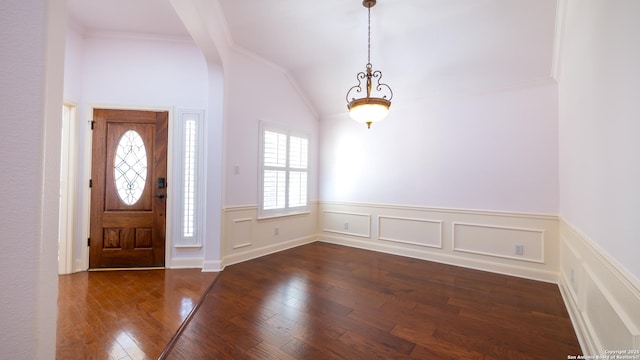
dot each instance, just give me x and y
(323, 301)
(124, 314)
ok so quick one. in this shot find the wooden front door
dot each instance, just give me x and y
(128, 192)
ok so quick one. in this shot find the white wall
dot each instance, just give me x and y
(599, 159)
(255, 91)
(600, 126)
(493, 151)
(31, 68)
(143, 71)
(258, 91)
(73, 72)
(463, 180)
(73, 63)
(147, 72)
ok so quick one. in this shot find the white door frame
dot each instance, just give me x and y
(83, 264)
(68, 196)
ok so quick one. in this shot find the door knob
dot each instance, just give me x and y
(160, 196)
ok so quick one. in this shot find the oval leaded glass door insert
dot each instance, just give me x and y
(130, 167)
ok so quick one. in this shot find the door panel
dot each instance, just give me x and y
(127, 204)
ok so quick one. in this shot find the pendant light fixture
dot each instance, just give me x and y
(368, 109)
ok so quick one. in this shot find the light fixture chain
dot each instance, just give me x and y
(363, 107)
(369, 38)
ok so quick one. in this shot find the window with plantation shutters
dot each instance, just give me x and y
(284, 172)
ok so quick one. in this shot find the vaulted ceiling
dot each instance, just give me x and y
(425, 48)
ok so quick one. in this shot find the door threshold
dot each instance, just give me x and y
(128, 268)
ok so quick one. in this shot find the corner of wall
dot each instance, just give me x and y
(246, 237)
(558, 39)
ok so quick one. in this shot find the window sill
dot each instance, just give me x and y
(279, 216)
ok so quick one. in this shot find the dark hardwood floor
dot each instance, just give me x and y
(124, 314)
(323, 301)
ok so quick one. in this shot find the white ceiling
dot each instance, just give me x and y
(424, 48)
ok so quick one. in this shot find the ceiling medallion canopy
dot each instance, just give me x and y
(369, 103)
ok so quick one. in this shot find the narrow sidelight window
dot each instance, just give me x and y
(189, 177)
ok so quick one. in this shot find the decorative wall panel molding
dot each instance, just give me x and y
(347, 223)
(410, 231)
(606, 314)
(499, 241)
(245, 237)
(483, 240)
(253, 252)
(602, 299)
(241, 233)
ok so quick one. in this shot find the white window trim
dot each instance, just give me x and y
(179, 239)
(286, 211)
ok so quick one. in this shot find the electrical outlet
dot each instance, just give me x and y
(276, 231)
(572, 276)
(346, 226)
(519, 250)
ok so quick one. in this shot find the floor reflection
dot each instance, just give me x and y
(124, 314)
(130, 347)
(116, 351)
(186, 305)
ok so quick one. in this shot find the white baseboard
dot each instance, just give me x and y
(186, 263)
(266, 250)
(587, 343)
(79, 266)
(212, 266)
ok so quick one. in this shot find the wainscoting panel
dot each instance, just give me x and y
(602, 299)
(603, 316)
(241, 233)
(571, 272)
(484, 240)
(245, 236)
(499, 241)
(410, 231)
(347, 223)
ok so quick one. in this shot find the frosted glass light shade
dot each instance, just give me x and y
(369, 110)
